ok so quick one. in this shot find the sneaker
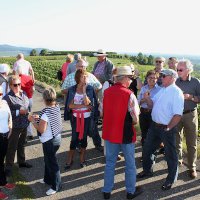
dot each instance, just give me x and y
(9, 186)
(138, 191)
(3, 196)
(42, 181)
(50, 192)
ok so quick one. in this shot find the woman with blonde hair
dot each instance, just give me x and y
(49, 127)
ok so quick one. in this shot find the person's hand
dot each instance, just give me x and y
(30, 118)
(23, 111)
(187, 96)
(147, 94)
(137, 73)
(89, 107)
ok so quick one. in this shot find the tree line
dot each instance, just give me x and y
(139, 58)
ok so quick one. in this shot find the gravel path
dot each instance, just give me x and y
(86, 183)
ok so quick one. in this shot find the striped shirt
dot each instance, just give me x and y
(55, 121)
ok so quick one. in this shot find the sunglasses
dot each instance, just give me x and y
(159, 61)
(130, 77)
(152, 78)
(179, 70)
(164, 75)
(17, 84)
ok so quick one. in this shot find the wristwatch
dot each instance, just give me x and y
(167, 129)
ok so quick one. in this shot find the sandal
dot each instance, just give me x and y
(83, 164)
(68, 166)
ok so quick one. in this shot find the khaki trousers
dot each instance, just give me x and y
(188, 126)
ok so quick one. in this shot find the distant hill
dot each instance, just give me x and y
(8, 50)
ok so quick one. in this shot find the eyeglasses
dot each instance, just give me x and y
(17, 84)
(179, 70)
(159, 61)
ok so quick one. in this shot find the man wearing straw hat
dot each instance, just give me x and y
(119, 133)
(102, 69)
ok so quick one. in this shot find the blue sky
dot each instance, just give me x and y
(156, 26)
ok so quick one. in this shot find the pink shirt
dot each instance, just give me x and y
(64, 70)
(25, 66)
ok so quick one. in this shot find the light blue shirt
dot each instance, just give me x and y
(144, 89)
(169, 101)
(70, 81)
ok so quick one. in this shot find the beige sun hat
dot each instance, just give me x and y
(100, 52)
(124, 71)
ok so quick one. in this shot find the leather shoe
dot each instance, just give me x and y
(99, 148)
(166, 186)
(138, 191)
(25, 165)
(193, 174)
(143, 174)
(106, 195)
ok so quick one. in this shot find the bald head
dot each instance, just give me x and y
(20, 56)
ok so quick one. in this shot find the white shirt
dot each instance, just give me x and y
(5, 116)
(78, 99)
(47, 135)
(25, 66)
(169, 101)
(4, 88)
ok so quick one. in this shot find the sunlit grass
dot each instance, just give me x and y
(22, 191)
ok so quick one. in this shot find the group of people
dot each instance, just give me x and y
(165, 108)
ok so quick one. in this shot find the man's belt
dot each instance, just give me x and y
(145, 110)
(188, 111)
(159, 125)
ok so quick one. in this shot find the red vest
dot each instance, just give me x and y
(117, 121)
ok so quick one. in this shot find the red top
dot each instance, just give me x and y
(117, 121)
(64, 70)
(27, 85)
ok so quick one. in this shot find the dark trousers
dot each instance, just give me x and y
(145, 121)
(75, 142)
(155, 136)
(96, 137)
(16, 143)
(3, 150)
(51, 171)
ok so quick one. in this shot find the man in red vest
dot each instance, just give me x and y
(120, 113)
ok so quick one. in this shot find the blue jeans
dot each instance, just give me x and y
(52, 171)
(155, 136)
(112, 151)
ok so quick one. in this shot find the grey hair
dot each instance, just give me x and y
(160, 58)
(119, 78)
(188, 64)
(49, 96)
